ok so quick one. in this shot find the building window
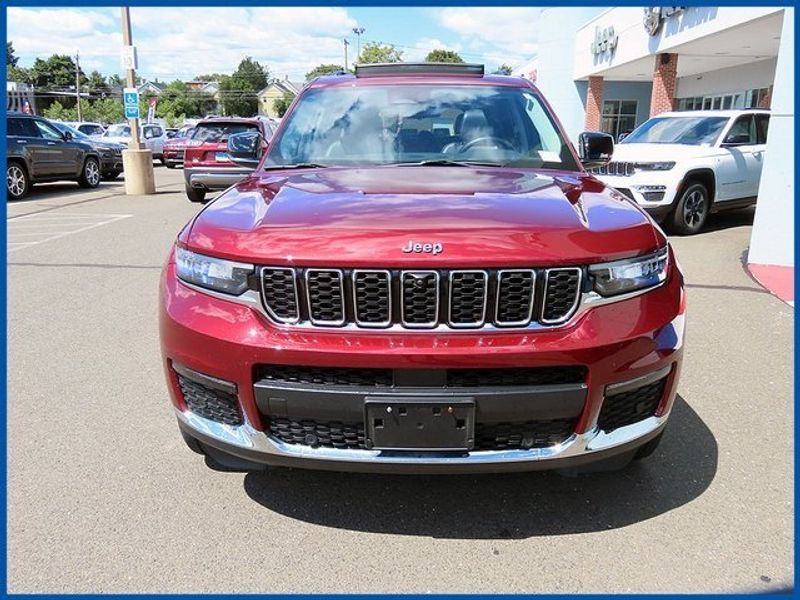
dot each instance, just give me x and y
(745, 99)
(619, 117)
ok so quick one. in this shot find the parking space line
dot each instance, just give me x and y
(76, 224)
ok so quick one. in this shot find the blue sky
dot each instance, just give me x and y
(184, 42)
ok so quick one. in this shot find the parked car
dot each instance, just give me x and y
(152, 136)
(682, 166)
(37, 152)
(88, 128)
(110, 154)
(176, 146)
(170, 132)
(420, 276)
(207, 166)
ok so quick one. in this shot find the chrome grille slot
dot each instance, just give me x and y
(279, 291)
(440, 299)
(325, 295)
(419, 292)
(561, 294)
(468, 292)
(372, 298)
(515, 295)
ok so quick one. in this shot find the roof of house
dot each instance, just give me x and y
(158, 85)
(285, 85)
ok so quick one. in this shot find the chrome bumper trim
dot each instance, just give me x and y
(253, 442)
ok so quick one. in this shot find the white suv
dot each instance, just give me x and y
(681, 166)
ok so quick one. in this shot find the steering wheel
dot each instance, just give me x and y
(481, 142)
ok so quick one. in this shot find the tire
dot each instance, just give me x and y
(90, 175)
(195, 195)
(111, 176)
(691, 211)
(192, 443)
(169, 165)
(163, 161)
(18, 183)
(649, 447)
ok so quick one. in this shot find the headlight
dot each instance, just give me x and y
(631, 274)
(654, 166)
(212, 273)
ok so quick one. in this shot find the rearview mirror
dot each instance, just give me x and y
(67, 136)
(595, 148)
(246, 148)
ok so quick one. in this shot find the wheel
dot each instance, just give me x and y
(192, 443)
(163, 160)
(649, 447)
(111, 175)
(17, 182)
(691, 211)
(195, 195)
(90, 176)
(169, 165)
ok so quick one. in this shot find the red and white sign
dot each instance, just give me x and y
(151, 109)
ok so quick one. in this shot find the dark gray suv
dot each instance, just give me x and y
(37, 152)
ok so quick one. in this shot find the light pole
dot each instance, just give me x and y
(358, 31)
(137, 162)
(346, 44)
(78, 83)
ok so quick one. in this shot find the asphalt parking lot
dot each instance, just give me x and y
(103, 496)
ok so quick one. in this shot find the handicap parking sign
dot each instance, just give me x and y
(130, 99)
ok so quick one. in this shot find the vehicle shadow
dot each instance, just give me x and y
(508, 506)
(727, 219)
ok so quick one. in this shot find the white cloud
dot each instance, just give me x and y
(502, 35)
(177, 43)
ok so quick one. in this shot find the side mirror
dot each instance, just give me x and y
(595, 148)
(67, 136)
(246, 148)
(739, 139)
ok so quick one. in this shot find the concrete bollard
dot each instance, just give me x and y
(139, 177)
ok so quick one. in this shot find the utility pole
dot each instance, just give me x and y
(346, 44)
(78, 82)
(130, 75)
(358, 31)
(137, 161)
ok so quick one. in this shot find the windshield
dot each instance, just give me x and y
(118, 131)
(381, 125)
(91, 129)
(219, 132)
(64, 128)
(693, 131)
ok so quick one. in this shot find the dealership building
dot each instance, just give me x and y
(610, 70)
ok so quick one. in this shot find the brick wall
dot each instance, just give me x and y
(665, 80)
(594, 103)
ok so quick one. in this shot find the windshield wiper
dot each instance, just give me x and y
(295, 166)
(444, 162)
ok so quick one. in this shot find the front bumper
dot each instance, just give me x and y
(173, 157)
(213, 178)
(618, 343)
(111, 164)
(653, 191)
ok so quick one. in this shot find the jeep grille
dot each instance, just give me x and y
(421, 299)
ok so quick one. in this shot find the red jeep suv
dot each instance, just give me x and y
(421, 276)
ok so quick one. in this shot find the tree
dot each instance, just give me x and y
(179, 99)
(443, 56)
(115, 82)
(238, 93)
(11, 57)
(96, 83)
(324, 69)
(58, 71)
(373, 52)
(282, 104)
(18, 74)
(503, 69)
(59, 112)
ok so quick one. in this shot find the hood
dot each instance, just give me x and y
(103, 145)
(363, 217)
(657, 152)
(122, 140)
(177, 142)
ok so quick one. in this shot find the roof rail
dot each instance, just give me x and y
(428, 68)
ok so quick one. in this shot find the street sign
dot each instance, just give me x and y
(130, 99)
(129, 58)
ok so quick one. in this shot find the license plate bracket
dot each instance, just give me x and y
(424, 424)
